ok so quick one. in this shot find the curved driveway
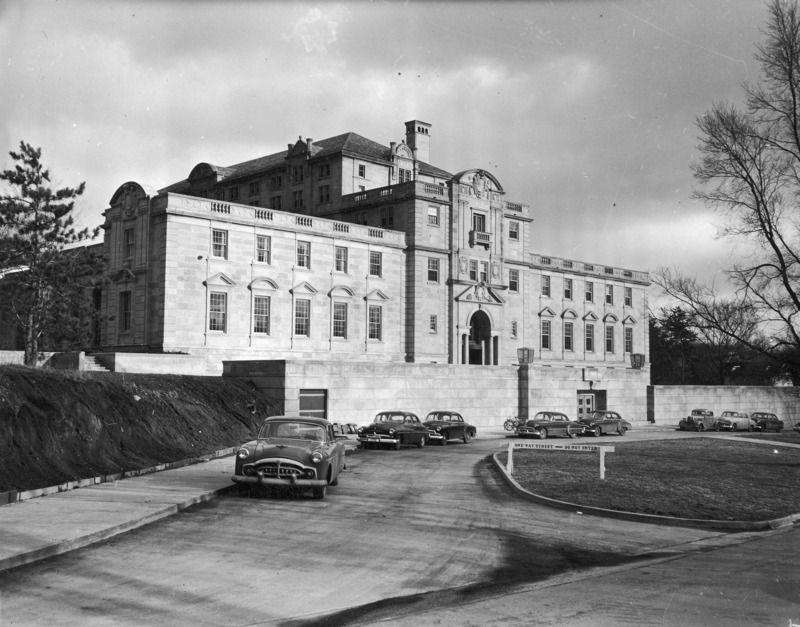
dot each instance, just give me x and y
(406, 532)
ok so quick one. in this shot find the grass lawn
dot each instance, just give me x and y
(703, 477)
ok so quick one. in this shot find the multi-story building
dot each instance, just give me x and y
(347, 249)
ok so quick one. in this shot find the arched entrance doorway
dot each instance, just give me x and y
(481, 345)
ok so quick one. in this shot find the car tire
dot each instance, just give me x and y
(319, 493)
(466, 437)
(335, 482)
(734, 427)
(397, 445)
(596, 432)
(421, 442)
(702, 427)
(542, 434)
(443, 441)
(621, 431)
(572, 434)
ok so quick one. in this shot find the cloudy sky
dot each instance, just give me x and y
(583, 109)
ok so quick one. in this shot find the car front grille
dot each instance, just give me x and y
(282, 469)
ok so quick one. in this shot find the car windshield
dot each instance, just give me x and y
(443, 416)
(292, 430)
(394, 417)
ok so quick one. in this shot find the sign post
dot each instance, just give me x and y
(602, 449)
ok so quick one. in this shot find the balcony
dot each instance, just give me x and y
(480, 238)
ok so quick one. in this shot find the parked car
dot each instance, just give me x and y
(796, 428)
(698, 420)
(396, 428)
(547, 423)
(604, 421)
(292, 451)
(734, 421)
(766, 421)
(444, 425)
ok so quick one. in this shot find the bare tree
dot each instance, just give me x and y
(749, 168)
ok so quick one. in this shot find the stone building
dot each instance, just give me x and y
(346, 250)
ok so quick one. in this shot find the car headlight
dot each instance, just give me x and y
(360, 430)
(316, 457)
(438, 429)
(391, 431)
(242, 453)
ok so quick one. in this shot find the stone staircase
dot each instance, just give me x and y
(90, 364)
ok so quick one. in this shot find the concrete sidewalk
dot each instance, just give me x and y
(42, 527)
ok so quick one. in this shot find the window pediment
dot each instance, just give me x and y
(220, 279)
(341, 291)
(376, 295)
(590, 317)
(610, 318)
(629, 320)
(547, 313)
(304, 287)
(263, 283)
(569, 314)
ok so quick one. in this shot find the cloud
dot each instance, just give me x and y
(317, 28)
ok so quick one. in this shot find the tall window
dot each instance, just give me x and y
(589, 292)
(340, 261)
(219, 243)
(263, 248)
(218, 312)
(545, 285)
(473, 269)
(124, 311)
(233, 193)
(340, 320)
(546, 335)
(513, 328)
(277, 182)
(568, 336)
(130, 243)
(433, 324)
(255, 188)
(628, 339)
(484, 276)
(568, 289)
(609, 338)
(261, 314)
(324, 170)
(433, 270)
(404, 175)
(375, 263)
(629, 297)
(513, 230)
(297, 199)
(303, 254)
(387, 217)
(302, 317)
(479, 222)
(589, 338)
(433, 215)
(324, 194)
(298, 172)
(276, 202)
(375, 322)
(513, 280)
(609, 294)
(362, 171)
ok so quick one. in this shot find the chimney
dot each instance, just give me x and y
(309, 145)
(418, 139)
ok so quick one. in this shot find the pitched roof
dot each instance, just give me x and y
(351, 143)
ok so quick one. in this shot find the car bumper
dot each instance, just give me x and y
(379, 439)
(287, 481)
(522, 432)
(435, 437)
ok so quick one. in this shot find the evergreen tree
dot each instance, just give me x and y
(47, 281)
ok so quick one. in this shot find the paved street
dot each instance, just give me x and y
(418, 536)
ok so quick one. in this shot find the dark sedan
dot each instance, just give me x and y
(291, 451)
(395, 428)
(444, 425)
(549, 423)
(766, 421)
(602, 421)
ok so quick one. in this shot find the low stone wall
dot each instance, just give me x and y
(667, 404)
(157, 363)
(484, 395)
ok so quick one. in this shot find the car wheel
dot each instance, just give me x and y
(319, 493)
(443, 441)
(702, 427)
(466, 437)
(735, 427)
(421, 442)
(778, 430)
(621, 430)
(543, 434)
(572, 434)
(335, 482)
(596, 432)
(716, 427)
(397, 445)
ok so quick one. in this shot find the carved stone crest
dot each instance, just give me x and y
(478, 184)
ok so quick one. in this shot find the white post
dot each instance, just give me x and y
(602, 462)
(510, 463)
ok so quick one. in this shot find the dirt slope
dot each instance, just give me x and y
(58, 426)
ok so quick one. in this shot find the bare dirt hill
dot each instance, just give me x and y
(58, 426)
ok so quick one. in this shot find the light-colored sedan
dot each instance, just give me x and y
(734, 421)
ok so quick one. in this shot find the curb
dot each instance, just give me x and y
(727, 525)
